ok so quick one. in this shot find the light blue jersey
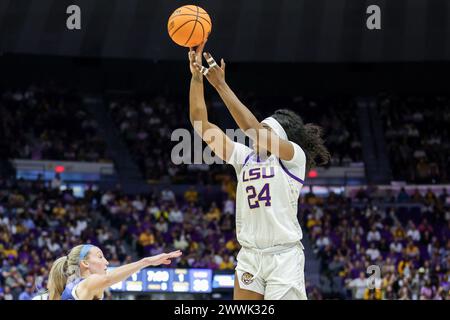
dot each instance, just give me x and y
(69, 292)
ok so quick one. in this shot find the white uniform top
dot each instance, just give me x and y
(267, 197)
(43, 296)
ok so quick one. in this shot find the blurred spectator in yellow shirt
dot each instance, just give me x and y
(226, 264)
(146, 238)
(213, 213)
(191, 195)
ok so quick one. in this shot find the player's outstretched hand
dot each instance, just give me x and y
(163, 258)
(196, 57)
(214, 74)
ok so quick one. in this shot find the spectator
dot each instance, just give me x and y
(167, 196)
(213, 213)
(175, 215)
(228, 207)
(412, 250)
(162, 225)
(191, 195)
(403, 196)
(28, 293)
(181, 243)
(226, 264)
(358, 285)
(373, 235)
(7, 294)
(56, 181)
(412, 232)
(373, 252)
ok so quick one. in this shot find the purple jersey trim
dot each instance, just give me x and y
(290, 174)
(247, 158)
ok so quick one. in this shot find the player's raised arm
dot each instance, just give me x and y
(98, 282)
(216, 139)
(245, 119)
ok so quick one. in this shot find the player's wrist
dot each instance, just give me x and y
(197, 77)
(144, 262)
(221, 86)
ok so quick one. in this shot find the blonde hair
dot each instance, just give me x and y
(63, 271)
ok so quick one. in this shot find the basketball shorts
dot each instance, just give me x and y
(276, 273)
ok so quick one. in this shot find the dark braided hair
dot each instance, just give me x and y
(307, 136)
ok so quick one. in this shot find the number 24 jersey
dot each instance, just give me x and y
(267, 197)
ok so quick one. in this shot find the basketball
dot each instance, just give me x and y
(189, 26)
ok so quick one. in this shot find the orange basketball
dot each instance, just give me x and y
(189, 26)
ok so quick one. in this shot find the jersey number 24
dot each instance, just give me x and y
(254, 198)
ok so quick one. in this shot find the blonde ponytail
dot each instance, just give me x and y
(64, 270)
(57, 279)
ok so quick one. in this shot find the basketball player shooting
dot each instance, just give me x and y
(271, 262)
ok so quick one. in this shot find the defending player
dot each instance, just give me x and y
(82, 274)
(271, 261)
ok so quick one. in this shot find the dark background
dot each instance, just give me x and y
(243, 30)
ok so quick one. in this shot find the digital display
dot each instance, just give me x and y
(167, 280)
(223, 281)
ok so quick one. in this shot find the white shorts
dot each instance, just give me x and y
(275, 274)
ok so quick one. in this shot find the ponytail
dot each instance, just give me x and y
(64, 270)
(57, 279)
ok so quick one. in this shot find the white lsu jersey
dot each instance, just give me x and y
(267, 197)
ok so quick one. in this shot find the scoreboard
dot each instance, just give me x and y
(166, 280)
(223, 281)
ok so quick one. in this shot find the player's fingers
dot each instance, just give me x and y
(202, 69)
(191, 55)
(211, 62)
(222, 64)
(200, 48)
(202, 45)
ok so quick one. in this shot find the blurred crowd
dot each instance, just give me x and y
(48, 123)
(336, 115)
(147, 124)
(39, 223)
(406, 236)
(403, 242)
(202, 227)
(417, 132)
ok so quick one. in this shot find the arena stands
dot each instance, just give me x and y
(407, 235)
(337, 116)
(417, 135)
(48, 123)
(146, 125)
(39, 223)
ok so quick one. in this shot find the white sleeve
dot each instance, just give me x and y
(239, 155)
(297, 165)
(299, 157)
